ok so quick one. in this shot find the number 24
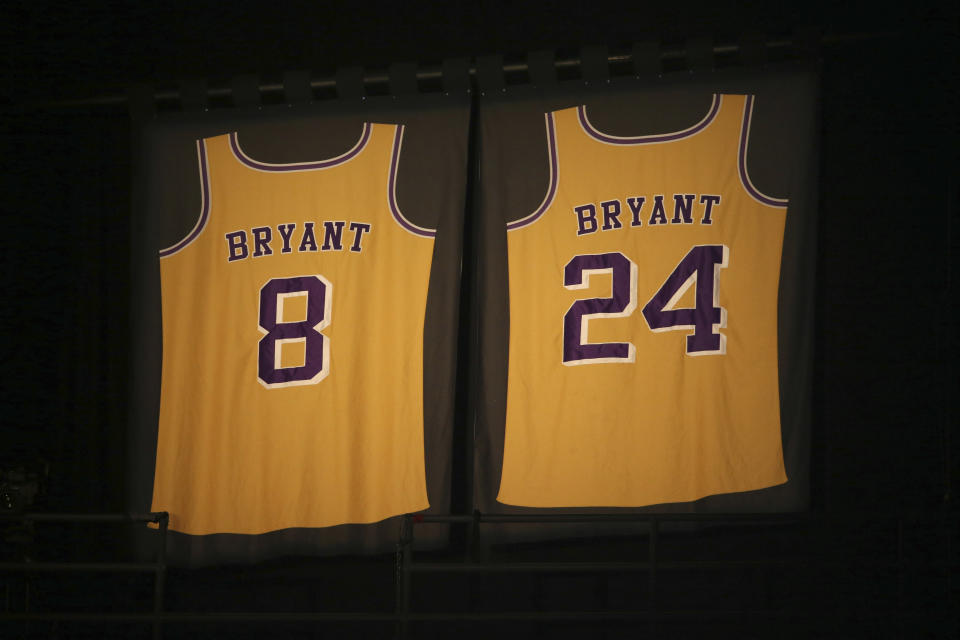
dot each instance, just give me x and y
(701, 266)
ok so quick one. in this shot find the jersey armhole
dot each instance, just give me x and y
(742, 160)
(201, 223)
(398, 216)
(552, 188)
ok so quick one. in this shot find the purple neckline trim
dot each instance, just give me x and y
(742, 160)
(651, 139)
(392, 190)
(205, 203)
(301, 166)
(552, 191)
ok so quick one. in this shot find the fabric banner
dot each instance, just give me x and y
(296, 273)
(645, 292)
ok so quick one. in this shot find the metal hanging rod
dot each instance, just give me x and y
(435, 73)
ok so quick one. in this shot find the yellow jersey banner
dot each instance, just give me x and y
(646, 251)
(308, 268)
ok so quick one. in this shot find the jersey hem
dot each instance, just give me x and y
(362, 521)
(697, 496)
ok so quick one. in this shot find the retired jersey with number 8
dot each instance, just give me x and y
(293, 321)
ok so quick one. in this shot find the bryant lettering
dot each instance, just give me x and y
(656, 210)
(334, 235)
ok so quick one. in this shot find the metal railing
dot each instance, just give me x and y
(407, 565)
(652, 566)
(158, 567)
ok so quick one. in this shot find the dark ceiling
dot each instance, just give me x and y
(58, 50)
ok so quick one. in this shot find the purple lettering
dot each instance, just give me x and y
(698, 268)
(709, 201)
(586, 213)
(577, 347)
(635, 205)
(316, 364)
(308, 242)
(236, 245)
(332, 231)
(358, 229)
(611, 214)
(683, 206)
(261, 241)
(657, 216)
(286, 232)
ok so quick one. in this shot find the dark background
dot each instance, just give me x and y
(885, 336)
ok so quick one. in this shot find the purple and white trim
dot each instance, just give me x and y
(398, 217)
(599, 136)
(742, 161)
(554, 172)
(246, 160)
(204, 203)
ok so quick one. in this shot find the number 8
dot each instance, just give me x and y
(316, 360)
